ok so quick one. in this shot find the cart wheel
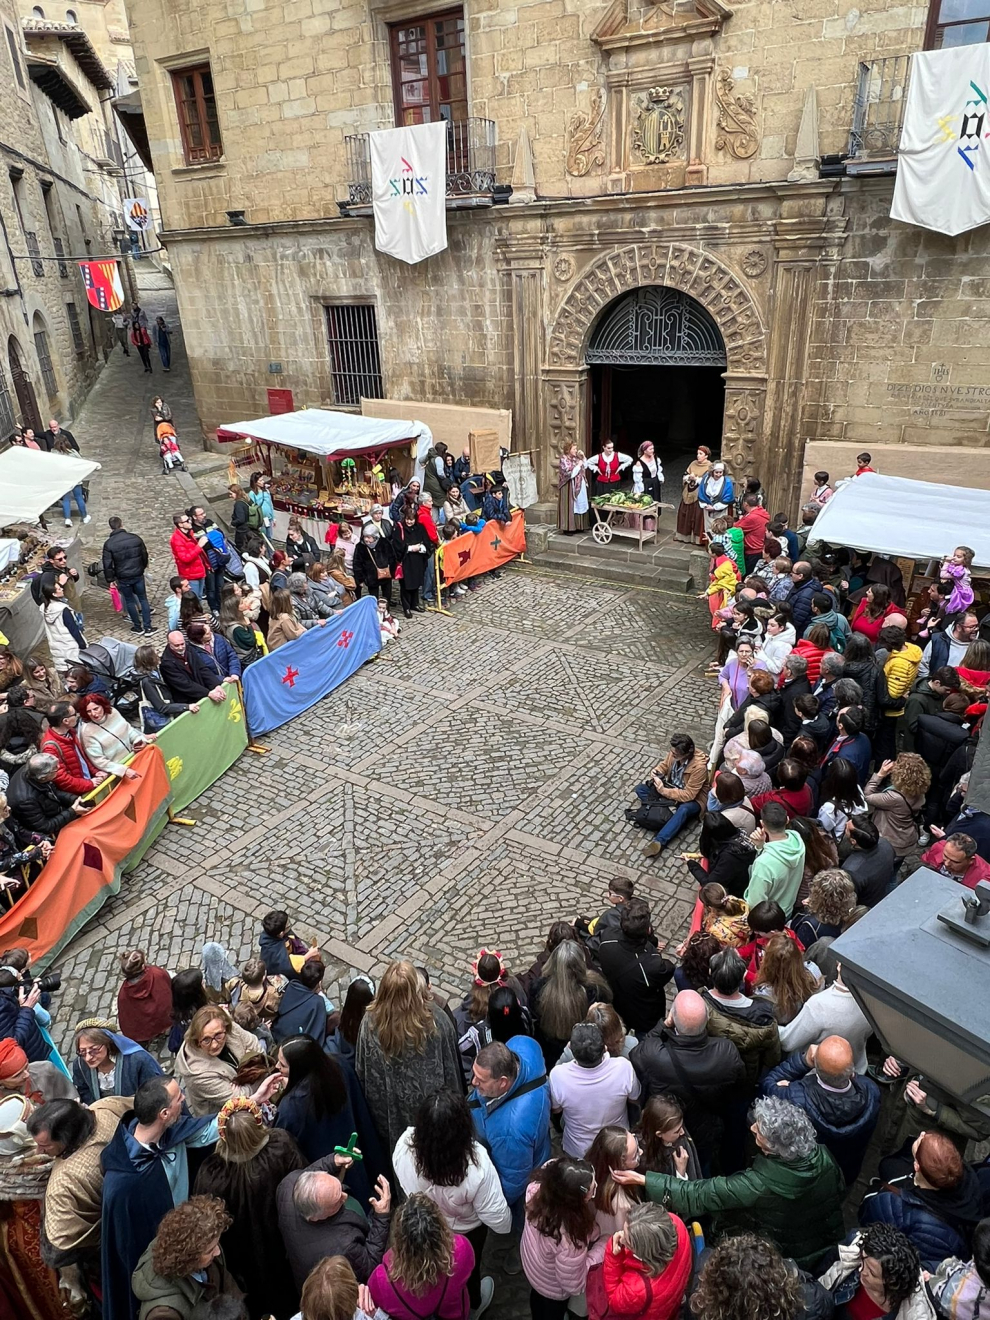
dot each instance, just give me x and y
(602, 533)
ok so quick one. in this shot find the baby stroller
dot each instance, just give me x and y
(113, 660)
(168, 447)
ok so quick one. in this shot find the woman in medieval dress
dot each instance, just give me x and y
(648, 472)
(690, 519)
(572, 497)
(716, 495)
(28, 1288)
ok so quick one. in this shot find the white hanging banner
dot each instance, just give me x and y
(943, 164)
(409, 190)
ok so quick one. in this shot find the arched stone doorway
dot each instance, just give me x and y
(657, 364)
(694, 272)
(27, 403)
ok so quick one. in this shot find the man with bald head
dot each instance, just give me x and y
(318, 1218)
(842, 1105)
(679, 1058)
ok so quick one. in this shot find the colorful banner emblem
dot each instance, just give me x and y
(136, 213)
(479, 552)
(199, 748)
(409, 190)
(103, 287)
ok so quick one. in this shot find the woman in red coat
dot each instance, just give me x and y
(871, 612)
(144, 1001)
(646, 1270)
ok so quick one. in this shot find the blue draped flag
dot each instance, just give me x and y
(280, 686)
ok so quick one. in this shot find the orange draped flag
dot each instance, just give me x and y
(478, 552)
(89, 858)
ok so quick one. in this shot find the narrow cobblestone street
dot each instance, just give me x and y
(465, 789)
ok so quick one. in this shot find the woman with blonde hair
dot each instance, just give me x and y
(283, 626)
(43, 682)
(897, 807)
(211, 1052)
(184, 1264)
(831, 898)
(785, 978)
(562, 996)
(245, 1169)
(331, 1292)
(426, 1268)
(324, 586)
(406, 1050)
(724, 915)
(339, 572)
(613, 1148)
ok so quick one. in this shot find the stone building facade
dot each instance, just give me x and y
(710, 165)
(58, 202)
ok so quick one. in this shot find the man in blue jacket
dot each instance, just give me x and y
(805, 586)
(302, 1010)
(843, 1107)
(510, 1105)
(211, 656)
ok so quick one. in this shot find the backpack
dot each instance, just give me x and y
(255, 519)
(650, 816)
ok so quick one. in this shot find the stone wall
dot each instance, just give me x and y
(248, 298)
(900, 346)
(32, 144)
(294, 77)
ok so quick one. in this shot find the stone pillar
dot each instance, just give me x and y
(525, 264)
(798, 245)
(566, 400)
(742, 425)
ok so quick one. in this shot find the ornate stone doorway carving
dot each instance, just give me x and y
(692, 271)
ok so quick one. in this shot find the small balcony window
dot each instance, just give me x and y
(957, 23)
(199, 123)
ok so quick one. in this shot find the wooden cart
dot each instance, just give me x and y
(603, 529)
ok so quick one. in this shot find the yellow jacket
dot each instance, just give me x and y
(725, 578)
(900, 672)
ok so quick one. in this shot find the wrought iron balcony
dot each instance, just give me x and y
(470, 166)
(877, 116)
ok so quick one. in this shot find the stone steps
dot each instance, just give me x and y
(623, 571)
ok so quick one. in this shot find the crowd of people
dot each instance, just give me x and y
(230, 1145)
(714, 1134)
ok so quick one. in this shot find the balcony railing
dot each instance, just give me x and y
(878, 114)
(470, 165)
(31, 242)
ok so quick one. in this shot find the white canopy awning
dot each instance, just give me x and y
(914, 519)
(31, 480)
(332, 435)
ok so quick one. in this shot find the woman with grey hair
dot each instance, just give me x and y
(647, 1266)
(309, 609)
(791, 1194)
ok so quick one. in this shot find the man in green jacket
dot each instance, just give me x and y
(792, 1193)
(778, 870)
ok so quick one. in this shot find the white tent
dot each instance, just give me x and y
(914, 519)
(31, 481)
(332, 435)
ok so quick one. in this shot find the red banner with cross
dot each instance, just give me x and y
(479, 552)
(89, 858)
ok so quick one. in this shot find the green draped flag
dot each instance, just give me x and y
(199, 748)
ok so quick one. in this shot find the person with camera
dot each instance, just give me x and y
(17, 1019)
(22, 855)
(35, 801)
(680, 783)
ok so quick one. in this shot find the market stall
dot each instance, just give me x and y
(916, 524)
(326, 465)
(31, 481)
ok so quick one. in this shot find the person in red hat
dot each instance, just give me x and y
(38, 1082)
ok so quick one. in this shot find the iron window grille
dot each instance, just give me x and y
(78, 343)
(45, 362)
(34, 251)
(355, 357)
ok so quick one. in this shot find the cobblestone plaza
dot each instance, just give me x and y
(466, 788)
